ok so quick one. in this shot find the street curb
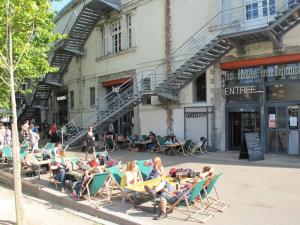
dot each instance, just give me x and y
(39, 191)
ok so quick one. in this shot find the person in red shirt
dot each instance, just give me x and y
(53, 130)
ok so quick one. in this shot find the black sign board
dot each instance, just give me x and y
(253, 145)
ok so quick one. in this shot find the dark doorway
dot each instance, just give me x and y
(240, 123)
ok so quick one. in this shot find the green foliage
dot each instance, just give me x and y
(31, 20)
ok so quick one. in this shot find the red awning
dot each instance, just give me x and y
(280, 59)
(115, 82)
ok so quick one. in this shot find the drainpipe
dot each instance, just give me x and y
(168, 45)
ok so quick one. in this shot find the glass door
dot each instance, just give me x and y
(241, 123)
(293, 129)
(277, 129)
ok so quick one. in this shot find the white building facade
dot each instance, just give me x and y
(144, 37)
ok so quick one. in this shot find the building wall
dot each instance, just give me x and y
(148, 53)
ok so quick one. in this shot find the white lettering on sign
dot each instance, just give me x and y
(60, 98)
(241, 90)
(275, 71)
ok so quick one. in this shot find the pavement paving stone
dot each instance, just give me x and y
(264, 192)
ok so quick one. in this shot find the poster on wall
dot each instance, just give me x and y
(293, 121)
(272, 120)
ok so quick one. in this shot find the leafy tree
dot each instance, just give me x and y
(25, 38)
(32, 37)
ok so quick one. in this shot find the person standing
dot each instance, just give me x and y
(8, 137)
(89, 143)
(53, 130)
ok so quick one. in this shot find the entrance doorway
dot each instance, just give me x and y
(240, 123)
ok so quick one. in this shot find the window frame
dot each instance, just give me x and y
(250, 10)
(116, 36)
(92, 98)
(203, 87)
(129, 31)
(72, 102)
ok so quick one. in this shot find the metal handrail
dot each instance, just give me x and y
(147, 81)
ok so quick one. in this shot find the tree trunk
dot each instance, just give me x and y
(15, 138)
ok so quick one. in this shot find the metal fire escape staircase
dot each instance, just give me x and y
(78, 29)
(228, 29)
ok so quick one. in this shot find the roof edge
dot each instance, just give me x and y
(65, 9)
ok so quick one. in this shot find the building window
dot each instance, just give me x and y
(72, 99)
(92, 96)
(102, 41)
(200, 86)
(268, 7)
(116, 36)
(252, 11)
(129, 30)
(291, 3)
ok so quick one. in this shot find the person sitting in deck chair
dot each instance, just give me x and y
(88, 175)
(169, 195)
(130, 177)
(201, 146)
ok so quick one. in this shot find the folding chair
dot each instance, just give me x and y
(130, 142)
(116, 176)
(96, 186)
(144, 137)
(144, 170)
(213, 202)
(188, 202)
(7, 154)
(203, 146)
(160, 144)
(185, 149)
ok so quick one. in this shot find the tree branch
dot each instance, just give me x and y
(4, 81)
(26, 46)
(3, 59)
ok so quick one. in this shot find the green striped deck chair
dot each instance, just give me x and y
(185, 149)
(160, 144)
(213, 202)
(115, 181)
(116, 174)
(187, 204)
(7, 154)
(49, 146)
(144, 137)
(130, 142)
(145, 170)
(97, 186)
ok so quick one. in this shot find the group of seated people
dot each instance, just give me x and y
(131, 176)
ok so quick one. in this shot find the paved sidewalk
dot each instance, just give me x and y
(263, 192)
(40, 212)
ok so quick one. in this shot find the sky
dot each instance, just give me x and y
(58, 5)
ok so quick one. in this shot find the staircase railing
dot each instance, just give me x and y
(225, 22)
(229, 21)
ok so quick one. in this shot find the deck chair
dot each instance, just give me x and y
(116, 176)
(160, 144)
(187, 204)
(97, 186)
(109, 145)
(6, 154)
(130, 142)
(213, 202)
(144, 137)
(185, 149)
(144, 170)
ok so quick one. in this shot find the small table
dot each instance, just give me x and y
(140, 187)
(142, 144)
(39, 164)
(173, 147)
